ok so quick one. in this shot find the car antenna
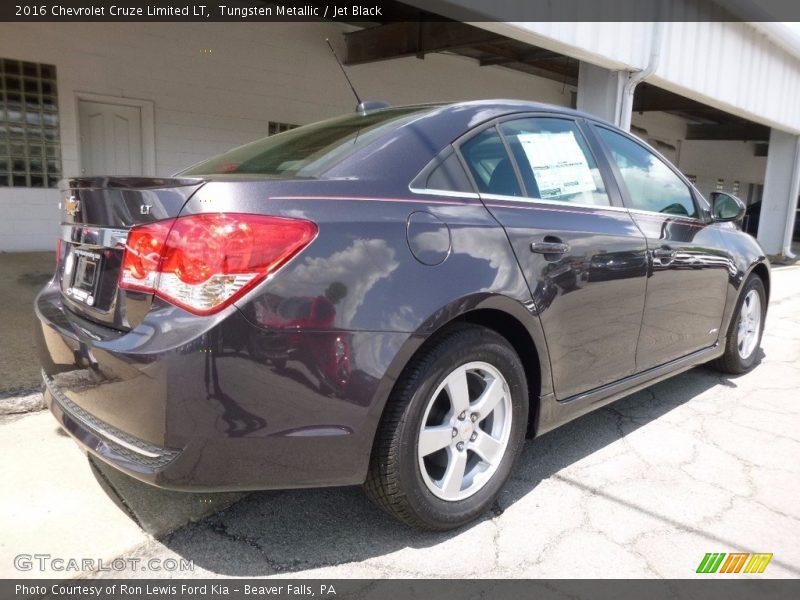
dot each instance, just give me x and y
(341, 66)
(361, 107)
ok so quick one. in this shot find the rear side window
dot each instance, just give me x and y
(445, 173)
(554, 160)
(651, 184)
(308, 151)
(490, 165)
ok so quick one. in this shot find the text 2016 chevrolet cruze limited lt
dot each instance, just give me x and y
(395, 297)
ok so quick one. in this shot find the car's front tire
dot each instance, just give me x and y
(746, 328)
(452, 430)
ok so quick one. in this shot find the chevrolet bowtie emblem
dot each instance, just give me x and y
(72, 206)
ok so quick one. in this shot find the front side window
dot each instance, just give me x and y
(651, 184)
(554, 161)
(490, 165)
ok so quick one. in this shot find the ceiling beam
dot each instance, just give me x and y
(558, 76)
(408, 38)
(748, 132)
(563, 73)
(651, 98)
(528, 57)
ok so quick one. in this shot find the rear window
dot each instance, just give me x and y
(310, 150)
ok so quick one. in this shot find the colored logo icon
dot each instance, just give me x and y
(735, 562)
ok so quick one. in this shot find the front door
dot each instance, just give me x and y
(584, 258)
(110, 139)
(688, 272)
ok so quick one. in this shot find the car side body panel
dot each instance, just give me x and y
(683, 313)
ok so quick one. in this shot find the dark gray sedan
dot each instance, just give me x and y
(395, 298)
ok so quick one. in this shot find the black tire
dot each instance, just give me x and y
(731, 361)
(394, 481)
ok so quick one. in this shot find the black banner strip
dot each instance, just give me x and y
(739, 588)
(383, 11)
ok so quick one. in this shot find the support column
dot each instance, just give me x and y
(600, 91)
(781, 188)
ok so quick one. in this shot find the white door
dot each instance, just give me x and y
(110, 138)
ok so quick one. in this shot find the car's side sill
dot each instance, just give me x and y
(555, 413)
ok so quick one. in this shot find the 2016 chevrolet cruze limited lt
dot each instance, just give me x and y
(396, 297)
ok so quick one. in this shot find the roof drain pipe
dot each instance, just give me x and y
(635, 78)
(794, 186)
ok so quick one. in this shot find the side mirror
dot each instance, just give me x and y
(725, 207)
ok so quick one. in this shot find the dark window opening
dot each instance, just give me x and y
(275, 128)
(30, 154)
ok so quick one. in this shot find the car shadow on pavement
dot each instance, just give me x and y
(268, 533)
(156, 511)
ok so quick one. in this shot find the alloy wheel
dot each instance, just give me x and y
(465, 431)
(749, 324)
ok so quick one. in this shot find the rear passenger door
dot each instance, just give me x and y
(582, 255)
(688, 273)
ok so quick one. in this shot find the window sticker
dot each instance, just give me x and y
(558, 162)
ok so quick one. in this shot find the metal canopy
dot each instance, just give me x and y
(418, 37)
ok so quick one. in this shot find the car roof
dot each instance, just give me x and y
(493, 108)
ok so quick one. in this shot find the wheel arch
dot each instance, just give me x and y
(520, 339)
(762, 271)
(759, 268)
(511, 319)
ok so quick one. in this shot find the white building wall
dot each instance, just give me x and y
(613, 45)
(740, 68)
(215, 86)
(29, 219)
(734, 67)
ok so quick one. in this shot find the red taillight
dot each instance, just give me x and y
(143, 256)
(205, 262)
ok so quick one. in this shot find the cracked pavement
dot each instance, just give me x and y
(642, 488)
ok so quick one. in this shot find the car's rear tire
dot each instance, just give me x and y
(462, 402)
(745, 330)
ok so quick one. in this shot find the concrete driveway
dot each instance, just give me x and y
(23, 275)
(643, 488)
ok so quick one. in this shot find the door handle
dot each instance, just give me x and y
(549, 247)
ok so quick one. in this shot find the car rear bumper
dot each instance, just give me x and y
(128, 452)
(230, 407)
